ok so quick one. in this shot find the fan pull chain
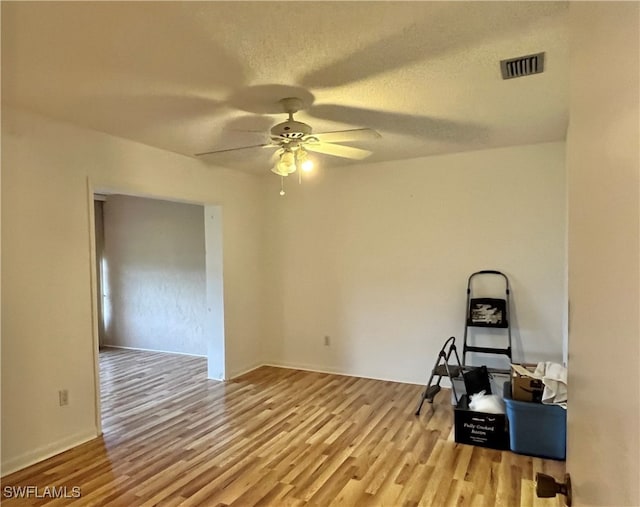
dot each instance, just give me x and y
(281, 185)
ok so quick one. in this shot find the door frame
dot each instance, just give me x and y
(216, 336)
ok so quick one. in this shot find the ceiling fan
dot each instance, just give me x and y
(293, 139)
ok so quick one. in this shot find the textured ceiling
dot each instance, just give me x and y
(190, 76)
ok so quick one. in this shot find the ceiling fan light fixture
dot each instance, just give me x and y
(286, 164)
(288, 158)
(303, 161)
(294, 139)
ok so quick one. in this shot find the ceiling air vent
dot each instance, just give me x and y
(522, 66)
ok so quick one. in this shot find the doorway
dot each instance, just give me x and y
(159, 278)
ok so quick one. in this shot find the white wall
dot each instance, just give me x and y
(603, 454)
(377, 257)
(155, 276)
(46, 270)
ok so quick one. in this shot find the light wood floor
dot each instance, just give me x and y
(274, 437)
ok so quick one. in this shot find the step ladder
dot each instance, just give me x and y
(441, 369)
(487, 312)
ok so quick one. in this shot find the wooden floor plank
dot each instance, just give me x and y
(277, 437)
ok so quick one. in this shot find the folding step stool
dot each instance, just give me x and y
(442, 368)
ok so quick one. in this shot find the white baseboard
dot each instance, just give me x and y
(333, 371)
(105, 346)
(276, 364)
(44, 452)
(243, 371)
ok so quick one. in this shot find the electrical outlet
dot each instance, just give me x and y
(63, 397)
(327, 341)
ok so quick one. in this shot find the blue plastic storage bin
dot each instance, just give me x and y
(536, 429)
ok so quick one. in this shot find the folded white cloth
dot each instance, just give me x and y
(554, 378)
(488, 403)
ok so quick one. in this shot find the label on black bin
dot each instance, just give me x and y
(480, 432)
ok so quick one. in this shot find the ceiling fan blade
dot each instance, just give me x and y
(266, 145)
(344, 136)
(337, 150)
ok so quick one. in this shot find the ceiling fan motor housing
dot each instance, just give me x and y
(291, 129)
